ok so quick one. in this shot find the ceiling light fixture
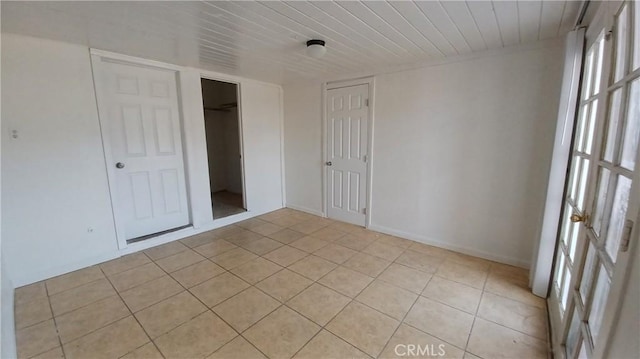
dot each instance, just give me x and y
(315, 48)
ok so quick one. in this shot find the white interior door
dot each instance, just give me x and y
(347, 147)
(141, 131)
(602, 199)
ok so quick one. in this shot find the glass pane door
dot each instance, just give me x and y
(598, 191)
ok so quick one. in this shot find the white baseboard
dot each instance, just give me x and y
(305, 209)
(461, 249)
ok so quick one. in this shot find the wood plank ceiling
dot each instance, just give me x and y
(266, 40)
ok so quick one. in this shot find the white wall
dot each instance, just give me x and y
(461, 150)
(54, 180)
(57, 210)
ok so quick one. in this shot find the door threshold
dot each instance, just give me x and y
(152, 235)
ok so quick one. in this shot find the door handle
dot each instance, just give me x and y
(328, 163)
(575, 218)
(119, 165)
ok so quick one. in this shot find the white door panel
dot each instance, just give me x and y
(141, 128)
(348, 129)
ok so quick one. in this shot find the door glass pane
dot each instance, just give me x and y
(636, 36)
(573, 245)
(587, 274)
(618, 213)
(621, 43)
(612, 128)
(574, 331)
(588, 68)
(582, 189)
(575, 173)
(601, 200)
(566, 281)
(632, 128)
(600, 295)
(591, 126)
(582, 125)
(598, 69)
(583, 351)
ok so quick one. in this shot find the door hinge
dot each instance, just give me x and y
(366, 102)
(364, 158)
(626, 235)
(364, 211)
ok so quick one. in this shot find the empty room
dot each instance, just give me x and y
(320, 179)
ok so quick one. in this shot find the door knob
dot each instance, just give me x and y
(119, 165)
(328, 163)
(575, 218)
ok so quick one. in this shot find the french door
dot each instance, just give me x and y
(603, 190)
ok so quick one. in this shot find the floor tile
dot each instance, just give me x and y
(216, 247)
(390, 300)
(284, 285)
(309, 244)
(233, 258)
(429, 250)
(519, 316)
(383, 251)
(328, 234)
(513, 288)
(285, 255)
(335, 253)
(262, 246)
(420, 261)
(55, 353)
(286, 236)
(150, 293)
(366, 264)
(354, 242)
(124, 263)
(454, 294)
(251, 223)
(243, 237)
(147, 351)
(424, 345)
(32, 312)
(319, 303)
(363, 327)
(282, 333)
(460, 273)
(239, 348)
(346, 281)
(85, 320)
(36, 339)
(447, 323)
(469, 261)
(197, 273)
(312, 267)
(136, 276)
(197, 338)
(30, 292)
(256, 270)
(327, 345)
(179, 260)
(405, 277)
(394, 241)
(80, 296)
(112, 341)
(168, 314)
(198, 240)
(286, 221)
(73, 279)
(266, 229)
(246, 308)
(165, 250)
(468, 355)
(308, 227)
(218, 289)
(489, 340)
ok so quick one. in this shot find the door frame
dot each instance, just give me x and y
(326, 86)
(213, 77)
(96, 57)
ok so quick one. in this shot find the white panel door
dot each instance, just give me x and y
(142, 137)
(347, 146)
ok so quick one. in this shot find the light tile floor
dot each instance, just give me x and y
(286, 284)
